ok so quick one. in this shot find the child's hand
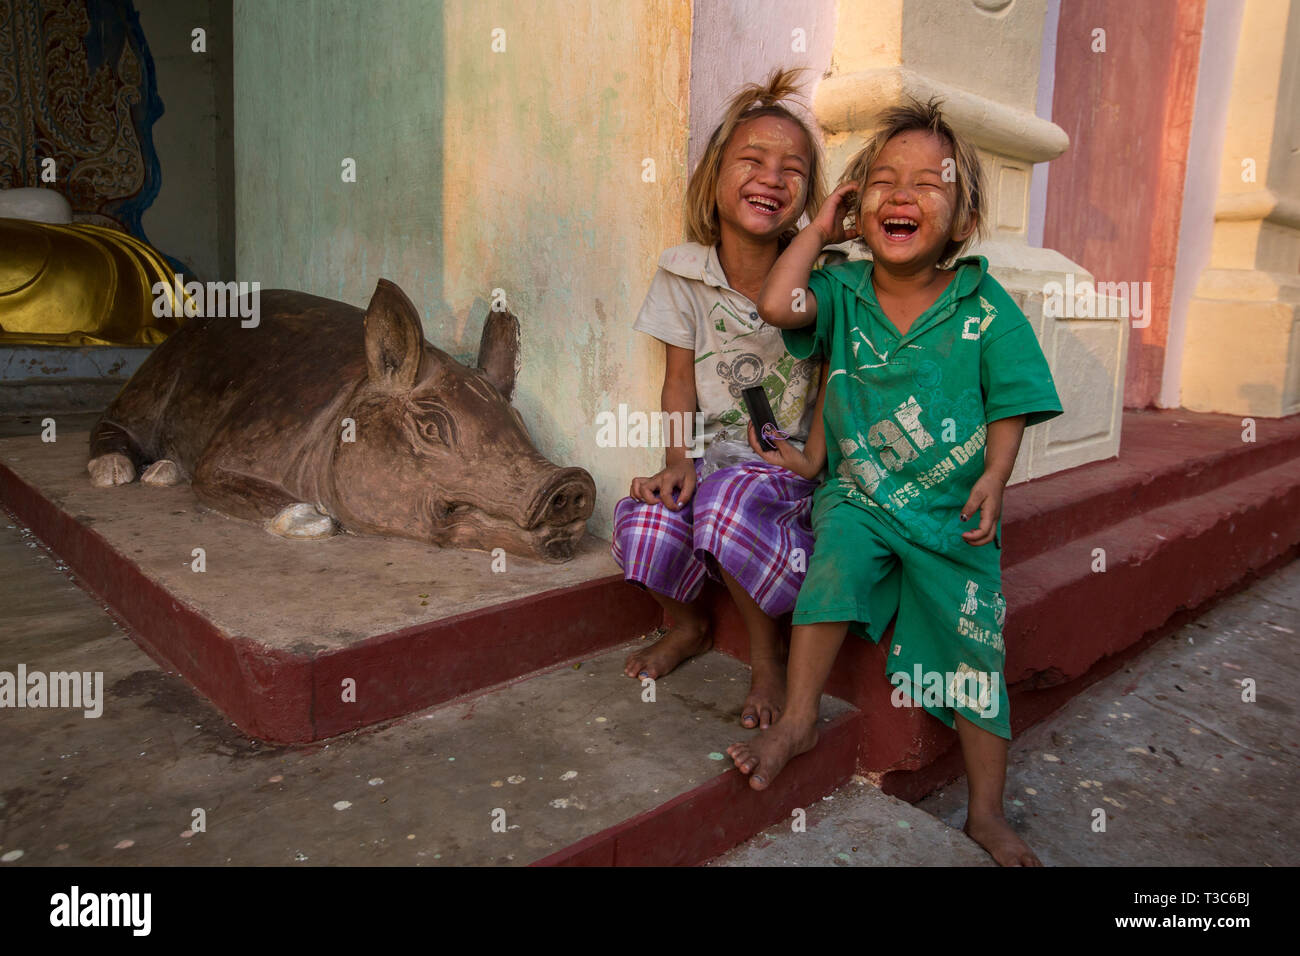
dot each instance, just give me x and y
(986, 496)
(659, 488)
(830, 218)
(786, 455)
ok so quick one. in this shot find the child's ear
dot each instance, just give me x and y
(964, 230)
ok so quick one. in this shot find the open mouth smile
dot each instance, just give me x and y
(764, 205)
(899, 228)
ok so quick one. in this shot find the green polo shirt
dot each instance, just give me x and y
(906, 416)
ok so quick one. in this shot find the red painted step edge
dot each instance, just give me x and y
(296, 698)
(702, 823)
(1166, 456)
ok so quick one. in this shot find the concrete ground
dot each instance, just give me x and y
(858, 825)
(1185, 771)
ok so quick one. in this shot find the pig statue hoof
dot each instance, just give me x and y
(162, 473)
(302, 520)
(111, 469)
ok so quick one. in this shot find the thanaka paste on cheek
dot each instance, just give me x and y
(775, 138)
(797, 185)
(871, 201)
(735, 173)
(936, 208)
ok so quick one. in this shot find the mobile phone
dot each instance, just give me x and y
(760, 413)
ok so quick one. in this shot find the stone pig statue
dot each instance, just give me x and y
(257, 419)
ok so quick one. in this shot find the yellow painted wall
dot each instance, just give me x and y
(544, 198)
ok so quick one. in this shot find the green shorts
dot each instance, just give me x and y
(947, 653)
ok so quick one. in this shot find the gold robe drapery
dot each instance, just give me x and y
(81, 284)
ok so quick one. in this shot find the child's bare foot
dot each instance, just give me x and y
(766, 697)
(681, 642)
(991, 831)
(763, 757)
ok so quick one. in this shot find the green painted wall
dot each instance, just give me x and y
(317, 83)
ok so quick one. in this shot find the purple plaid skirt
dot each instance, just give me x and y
(752, 519)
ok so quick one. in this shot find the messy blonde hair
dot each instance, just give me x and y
(753, 100)
(927, 117)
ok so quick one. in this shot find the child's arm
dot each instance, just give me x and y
(789, 276)
(1003, 444)
(678, 395)
(808, 463)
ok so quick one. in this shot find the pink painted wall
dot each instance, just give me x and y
(1115, 198)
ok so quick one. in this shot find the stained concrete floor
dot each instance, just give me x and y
(1187, 771)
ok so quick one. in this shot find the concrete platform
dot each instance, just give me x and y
(581, 768)
(271, 629)
(121, 789)
(1188, 517)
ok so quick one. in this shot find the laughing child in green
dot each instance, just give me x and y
(934, 375)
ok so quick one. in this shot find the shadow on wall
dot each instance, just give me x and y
(193, 216)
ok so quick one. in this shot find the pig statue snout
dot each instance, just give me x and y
(565, 502)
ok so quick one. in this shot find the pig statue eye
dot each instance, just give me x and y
(430, 431)
(434, 423)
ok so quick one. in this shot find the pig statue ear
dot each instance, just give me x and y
(498, 351)
(394, 338)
